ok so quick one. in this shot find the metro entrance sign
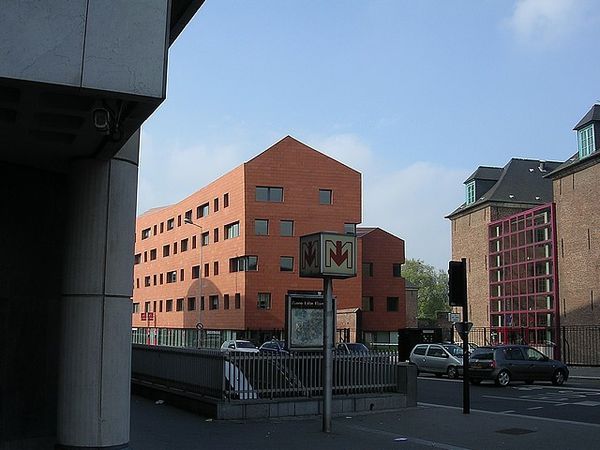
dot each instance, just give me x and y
(328, 255)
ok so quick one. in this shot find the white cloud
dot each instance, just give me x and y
(171, 173)
(411, 203)
(543, 22)
(347, 148)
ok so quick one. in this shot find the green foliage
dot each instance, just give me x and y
(432, 284)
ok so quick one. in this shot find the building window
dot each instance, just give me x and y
(286, 263)
(585, 142)
(179, 220)
(216, 205)
(155, 229)
(269, 194)
(216, 235)
(169, 306)
(261, 227)
(147, 281)
(213, 302)
(160, 306)
(206, 266)
(154, 280)
(195, 272)
(225, 200)
(145, 233)
(367, 303)
(204, 239)
(188, 216)
(184, 245)
(397, 270)
(172, 276)
(179, 304)
(174, 248)
(238, 301)
(193, 242)
(202, 303)
(147, 307)
(216, 268)
(202, 211)
(243, 263)
(470, 193)
(191, 303)
(137, 258)
(166, 250)
(325, 197)
(137, 283)
(350, 228)
(226, 301)
(170, 224)
(145, 256)
(264, 300)
(286, 227)
(232, 230)
(181, 275)
(136, 308)
(152, 254)
(160, 279)
(162, 227)
(367, 269)
(392, 303)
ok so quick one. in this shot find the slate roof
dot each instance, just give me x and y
(592, 115)
(521, 181)
(485, 173)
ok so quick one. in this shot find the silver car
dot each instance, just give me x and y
(439, 359)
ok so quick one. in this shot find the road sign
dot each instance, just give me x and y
(463, 329)
(328, 255)
(454, 317)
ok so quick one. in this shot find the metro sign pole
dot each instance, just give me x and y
(328, 256)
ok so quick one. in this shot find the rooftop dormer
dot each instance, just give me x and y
(588, 132)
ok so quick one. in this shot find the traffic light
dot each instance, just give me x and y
(457, 283)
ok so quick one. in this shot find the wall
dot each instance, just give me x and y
(578, 243)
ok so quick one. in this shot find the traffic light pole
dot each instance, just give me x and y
(465, 337)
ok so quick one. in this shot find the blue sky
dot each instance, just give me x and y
(414, 94)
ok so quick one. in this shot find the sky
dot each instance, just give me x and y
(413, 94)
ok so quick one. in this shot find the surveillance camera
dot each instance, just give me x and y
(102, 120)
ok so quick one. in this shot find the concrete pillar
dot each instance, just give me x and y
(95, 352)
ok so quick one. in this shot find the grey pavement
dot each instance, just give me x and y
(592, 373)
(163, 427)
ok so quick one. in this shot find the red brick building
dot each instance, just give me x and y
(232, 266)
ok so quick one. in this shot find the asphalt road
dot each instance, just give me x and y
(577, 401)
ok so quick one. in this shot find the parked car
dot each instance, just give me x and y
(439, 359)
(506, 363)
(351, 348)
(238, 345)
(274, 346)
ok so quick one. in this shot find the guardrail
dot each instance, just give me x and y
(247, 376)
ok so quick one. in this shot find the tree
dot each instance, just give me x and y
(432, 284)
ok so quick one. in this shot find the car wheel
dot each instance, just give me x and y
(475, 381)
(558, 377)
(452, 372)
(503, 378)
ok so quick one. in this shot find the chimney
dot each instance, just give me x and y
(542, 166)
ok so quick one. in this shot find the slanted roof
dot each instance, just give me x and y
(522, 181)
(361, 231)
(485, 173)
(592, 115)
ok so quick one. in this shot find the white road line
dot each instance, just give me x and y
(523, 416)
(518, 399)
(535, 407)
(510, 411)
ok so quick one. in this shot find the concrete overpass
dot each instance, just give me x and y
(77, 80)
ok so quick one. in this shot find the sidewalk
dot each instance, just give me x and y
(162, 427)
(590, 373)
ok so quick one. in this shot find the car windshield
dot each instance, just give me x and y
(245, 344)
(454, 350)
(357, 348)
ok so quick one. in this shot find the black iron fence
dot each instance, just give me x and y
(574, 344)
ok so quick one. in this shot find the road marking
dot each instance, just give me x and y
(518, 399)
(586, 403)
(549, 386)
(524, 416)
(535, 407)
(510, 411)
(423, 442)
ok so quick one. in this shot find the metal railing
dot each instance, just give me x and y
(248, 376)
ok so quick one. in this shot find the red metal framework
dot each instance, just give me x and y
(523, 277)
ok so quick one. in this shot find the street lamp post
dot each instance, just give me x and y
(199, 325)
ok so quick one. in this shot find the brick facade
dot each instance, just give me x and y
(301, 172)
(578, 234)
